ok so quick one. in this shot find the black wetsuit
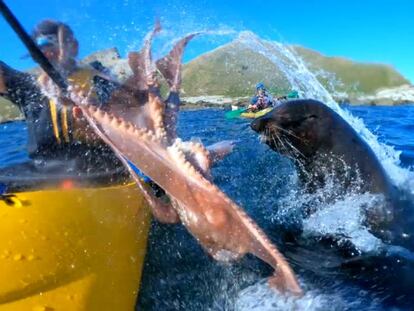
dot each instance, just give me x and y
(23, 91)
(50, 131)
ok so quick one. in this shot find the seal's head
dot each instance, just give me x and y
(297, 127)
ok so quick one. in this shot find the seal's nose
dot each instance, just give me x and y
(258, 124)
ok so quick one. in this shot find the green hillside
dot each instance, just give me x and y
(229, 71)
(233, 70)
(356, 76)
(8, 111)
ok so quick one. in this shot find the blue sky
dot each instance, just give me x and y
(370, 31)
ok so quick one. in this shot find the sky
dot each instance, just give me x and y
(375, 31)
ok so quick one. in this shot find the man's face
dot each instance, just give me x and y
(48, 44)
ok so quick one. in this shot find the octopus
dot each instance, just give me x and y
(140, 126)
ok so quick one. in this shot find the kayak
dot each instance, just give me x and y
(72, 246)
(253, 115)
(244, 113)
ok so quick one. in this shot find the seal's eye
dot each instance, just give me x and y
(312, 116)
(298, 122)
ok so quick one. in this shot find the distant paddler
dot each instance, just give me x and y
(261, 100)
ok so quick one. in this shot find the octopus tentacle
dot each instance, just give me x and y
(213, 219)
(219, 150)
(149, 66)
(163, 212)
(170, 68)
(170, 65)
(131, 101)
(197, 155)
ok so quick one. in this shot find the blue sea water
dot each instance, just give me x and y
(178, 275)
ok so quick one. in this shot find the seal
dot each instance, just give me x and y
(325, 148)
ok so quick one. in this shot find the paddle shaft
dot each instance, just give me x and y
(34, 50)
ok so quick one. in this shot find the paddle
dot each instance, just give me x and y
(235, 113)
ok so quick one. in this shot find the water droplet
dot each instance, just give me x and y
(70, 297)
(18, 257)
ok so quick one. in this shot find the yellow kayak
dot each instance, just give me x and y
(70, 248)
(253, 115)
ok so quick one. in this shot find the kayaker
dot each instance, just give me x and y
(54, 133)
(261, 100)
(58, 139)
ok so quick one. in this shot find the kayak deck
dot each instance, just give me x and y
(253, 115)
(72, 249)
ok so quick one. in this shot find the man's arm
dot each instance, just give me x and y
(19, 87)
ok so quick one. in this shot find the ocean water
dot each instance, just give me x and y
(178, 275)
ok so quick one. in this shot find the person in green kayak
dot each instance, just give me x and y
(261, 100)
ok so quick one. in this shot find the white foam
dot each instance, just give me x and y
(259, 297)
(344, 219)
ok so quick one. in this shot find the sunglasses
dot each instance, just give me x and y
(46, 40)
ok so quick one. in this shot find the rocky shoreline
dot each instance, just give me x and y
(402, 96)
(388, 97)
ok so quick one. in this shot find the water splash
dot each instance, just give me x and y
(303, 80)
(332, 214)
(260, 297)
(344, 220)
